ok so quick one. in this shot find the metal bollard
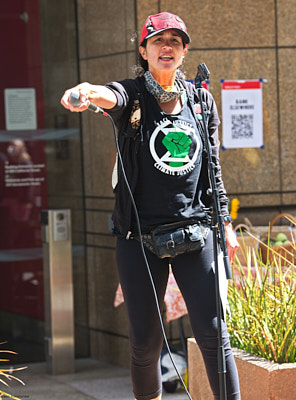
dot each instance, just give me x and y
(58, 291)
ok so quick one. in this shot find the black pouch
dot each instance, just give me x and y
(169, 240)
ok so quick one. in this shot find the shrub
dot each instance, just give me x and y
(262, 306)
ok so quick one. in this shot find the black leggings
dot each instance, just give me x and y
(195, 277)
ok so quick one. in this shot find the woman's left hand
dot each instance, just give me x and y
(231, 241)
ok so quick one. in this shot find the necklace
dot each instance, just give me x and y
(167, 88)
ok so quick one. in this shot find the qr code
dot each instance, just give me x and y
(242, 126)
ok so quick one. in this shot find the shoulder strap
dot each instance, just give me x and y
(134, 112)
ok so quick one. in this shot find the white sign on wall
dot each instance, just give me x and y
(20, 109)
(242, 120)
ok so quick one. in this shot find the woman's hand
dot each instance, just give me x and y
(84, 90)
(231, 241)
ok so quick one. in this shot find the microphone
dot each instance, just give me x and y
(74, 99)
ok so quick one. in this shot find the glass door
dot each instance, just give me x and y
(40, 166)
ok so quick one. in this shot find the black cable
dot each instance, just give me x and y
(75, 101)
(144, 255)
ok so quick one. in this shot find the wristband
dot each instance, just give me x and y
(227, 218)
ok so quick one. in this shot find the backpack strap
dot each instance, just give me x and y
(134, 120)
(133, 125)
(135, 110)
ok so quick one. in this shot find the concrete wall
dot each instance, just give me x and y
(106, 54)
(237, 40)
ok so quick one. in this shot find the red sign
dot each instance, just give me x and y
(232, 85)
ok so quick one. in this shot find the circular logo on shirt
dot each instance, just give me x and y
(174, 147)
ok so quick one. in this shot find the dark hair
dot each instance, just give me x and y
(142, 66)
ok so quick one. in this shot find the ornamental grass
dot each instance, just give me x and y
(6, 374)
(262, 305)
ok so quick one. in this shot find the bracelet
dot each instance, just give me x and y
(227, 218)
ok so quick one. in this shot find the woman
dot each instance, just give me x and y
(163, 152)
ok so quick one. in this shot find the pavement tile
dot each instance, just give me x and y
(92, 380)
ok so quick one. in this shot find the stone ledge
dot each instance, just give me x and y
(260, 379)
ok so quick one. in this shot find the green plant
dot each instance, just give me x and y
(262, 305)
(7, 374)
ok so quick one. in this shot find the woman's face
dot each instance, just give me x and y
(164, 52)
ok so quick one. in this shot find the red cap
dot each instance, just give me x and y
(161, 22)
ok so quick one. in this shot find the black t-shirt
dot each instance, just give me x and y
(173, 185)
(169, 157)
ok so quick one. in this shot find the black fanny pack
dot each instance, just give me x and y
(169, 240)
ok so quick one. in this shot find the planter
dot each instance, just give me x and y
(259, 379)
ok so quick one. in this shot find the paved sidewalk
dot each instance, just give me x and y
(92, 380)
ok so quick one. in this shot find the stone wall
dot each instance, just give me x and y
(236, 40)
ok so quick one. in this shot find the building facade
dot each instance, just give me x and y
(51, 46)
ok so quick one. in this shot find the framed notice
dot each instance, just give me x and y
(242, 120)
(20, 109)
